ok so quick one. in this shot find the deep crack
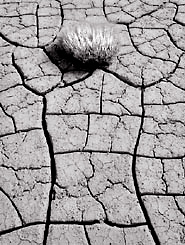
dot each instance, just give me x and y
(15, 207)
(134, 174)
(87, 235)
(53, 169)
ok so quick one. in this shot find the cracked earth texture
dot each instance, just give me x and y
(93, 158)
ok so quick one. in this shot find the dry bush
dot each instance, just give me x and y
(92, 44)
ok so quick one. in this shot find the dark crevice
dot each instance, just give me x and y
(94, 151)
(165, 104)
(155, 83)
(121, 78)
(14, 43)
(172, 40)
(94, 222)
(87, 236)
(18, 69)
(175, 15)
(62, 16)
(15, 16)
(89, 74)
(178, 207)
(9, 41)
(177, 65)
(14, 206)
(161, 158)
(19, 131)
(88, 222)
(176, 85)
(12, 118)
(13, 86)
(104, 11)
(23, 168)
(52, 88)
(96, 198)
(163, 177)
(93, 113)
(162, 194)
(37, 23)
(21, 74)
(114, 224)
(150, 12)
(28, 130)
(101, 95)
(134, 174)
(87, 136)
(179, 22)
(4, 232)
(53, 169)
(32, 90)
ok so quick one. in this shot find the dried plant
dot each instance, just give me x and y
(91, 44)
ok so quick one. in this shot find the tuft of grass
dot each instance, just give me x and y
(91, 44)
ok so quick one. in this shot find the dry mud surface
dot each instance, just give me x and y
(92, 158)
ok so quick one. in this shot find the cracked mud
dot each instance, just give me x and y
(92, 157)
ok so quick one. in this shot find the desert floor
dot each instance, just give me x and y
(92, 157)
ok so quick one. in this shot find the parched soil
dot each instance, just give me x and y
(92, 157)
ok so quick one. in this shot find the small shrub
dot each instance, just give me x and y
(90, 44)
